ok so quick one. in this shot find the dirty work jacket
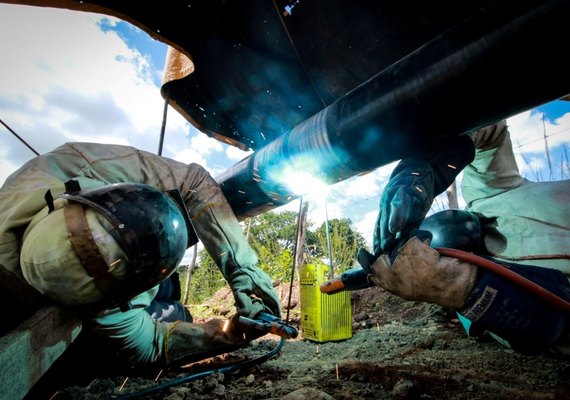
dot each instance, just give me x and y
(134, 332)
(526, 218)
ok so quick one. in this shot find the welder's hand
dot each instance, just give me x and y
(253, 292)
(188, 342)
(405, 202)
(413, 185)
(419, 273)
(248, 333)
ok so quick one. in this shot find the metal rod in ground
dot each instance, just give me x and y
(329, 246)
(301, 217)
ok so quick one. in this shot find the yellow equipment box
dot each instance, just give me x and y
(324, 317)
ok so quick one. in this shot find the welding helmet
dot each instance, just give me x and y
(456, 229)
(143, 228)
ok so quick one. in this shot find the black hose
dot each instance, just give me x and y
(198, 375)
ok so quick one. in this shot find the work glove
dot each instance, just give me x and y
(413, 185)
(253, 292)
(405, 201)
(419, 273)
(188, 342)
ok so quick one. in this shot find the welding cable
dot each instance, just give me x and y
(508, 274)
(199, 375)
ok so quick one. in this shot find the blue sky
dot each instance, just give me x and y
(70, 76)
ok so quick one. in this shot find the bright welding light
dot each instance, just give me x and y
(303, 183)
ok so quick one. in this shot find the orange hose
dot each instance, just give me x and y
(332, 286)
(508, 274)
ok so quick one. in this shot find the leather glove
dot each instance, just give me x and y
(187, 342)
(413, 185)
(419, 273)
(253, 292)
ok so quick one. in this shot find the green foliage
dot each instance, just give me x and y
(272, 237)
(345, 242)
(205, 281)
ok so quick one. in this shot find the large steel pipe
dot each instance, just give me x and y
(489, 67)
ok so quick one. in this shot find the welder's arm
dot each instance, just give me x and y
(212, 217)
(142, 341)
(413, 185)
(494, 169)
(223, 237)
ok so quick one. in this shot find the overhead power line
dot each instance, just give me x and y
(19, 138)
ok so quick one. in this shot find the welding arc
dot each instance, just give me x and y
(198, 375)
(508, 274)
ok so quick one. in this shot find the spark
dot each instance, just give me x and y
(158, 376)
(115, 262)
(124, 383)
(451, 166)
(289, 8)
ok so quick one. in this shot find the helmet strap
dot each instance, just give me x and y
(86, 249)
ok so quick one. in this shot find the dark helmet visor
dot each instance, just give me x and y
(149, 226)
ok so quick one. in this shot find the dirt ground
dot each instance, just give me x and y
(399, 350)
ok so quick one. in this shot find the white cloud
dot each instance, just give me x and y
(64, 79)
(206, 144)
(190, 155)
(531, 135)
(366, 226)
(528, 130)
(235, 154)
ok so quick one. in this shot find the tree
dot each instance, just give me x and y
(206, 278)
(345, 242)
(272, 236)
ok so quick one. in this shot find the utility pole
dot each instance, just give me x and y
(189, 274)
(301, 233)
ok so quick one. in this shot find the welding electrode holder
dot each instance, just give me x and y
(268, 323)
(353, 279)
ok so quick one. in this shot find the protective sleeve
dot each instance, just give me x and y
(494, 169)
(133, 334)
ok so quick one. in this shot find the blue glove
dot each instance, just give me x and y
(413, 185)
(405, 202)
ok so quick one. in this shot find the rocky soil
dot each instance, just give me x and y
(399, 350)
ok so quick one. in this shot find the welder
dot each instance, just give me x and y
(98, 227)
(523, 225)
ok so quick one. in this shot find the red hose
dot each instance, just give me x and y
(508, 274)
